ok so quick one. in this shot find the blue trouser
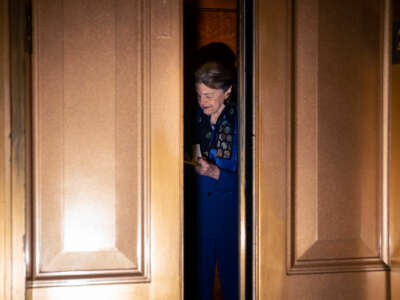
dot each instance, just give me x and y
(223, 252)
(217, 235)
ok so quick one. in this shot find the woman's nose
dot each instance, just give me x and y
(202, 99)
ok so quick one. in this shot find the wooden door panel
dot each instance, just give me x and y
(322, 125)
(106, 168)
(337, 150)
(90, 143)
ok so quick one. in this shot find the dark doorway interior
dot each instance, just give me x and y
(205, 22)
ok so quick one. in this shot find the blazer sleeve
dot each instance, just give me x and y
(228, 178)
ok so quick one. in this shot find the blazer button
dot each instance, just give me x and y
(209, 194)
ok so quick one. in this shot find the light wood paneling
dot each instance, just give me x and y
(17, 178)
(107, 150)
(91, 153)
(321, 157)
(5, 197)
(337, 121)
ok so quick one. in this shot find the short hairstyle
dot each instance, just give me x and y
(215, 75)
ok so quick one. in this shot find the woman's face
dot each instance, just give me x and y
(211, 100)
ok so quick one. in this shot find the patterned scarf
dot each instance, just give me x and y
(217, 136)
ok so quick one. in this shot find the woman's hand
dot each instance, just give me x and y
(207, 169)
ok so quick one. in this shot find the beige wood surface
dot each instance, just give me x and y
(322, 144)
(122, 116)
(280, 80)
(14, 149)
(5, 196)
(121, 87)
(90, 141)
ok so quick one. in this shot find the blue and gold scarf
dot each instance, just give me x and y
(217, 136)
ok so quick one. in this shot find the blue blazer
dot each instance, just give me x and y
(217, 200)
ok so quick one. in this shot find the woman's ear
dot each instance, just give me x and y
(228, 92)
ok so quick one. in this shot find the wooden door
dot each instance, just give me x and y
(322, 103)
(97, 153)
(321, 125)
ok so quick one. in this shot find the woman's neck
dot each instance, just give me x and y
(214, 117)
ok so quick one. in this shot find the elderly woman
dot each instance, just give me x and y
(217, 182)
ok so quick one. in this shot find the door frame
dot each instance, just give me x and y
(247, 213)
(5, 197)
(12, 128)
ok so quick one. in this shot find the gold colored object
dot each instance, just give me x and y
(190, 162)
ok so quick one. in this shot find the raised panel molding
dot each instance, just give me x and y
(91, 143)
(162, 19)
(337, 217)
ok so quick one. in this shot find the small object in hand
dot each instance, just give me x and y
(193, 163)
